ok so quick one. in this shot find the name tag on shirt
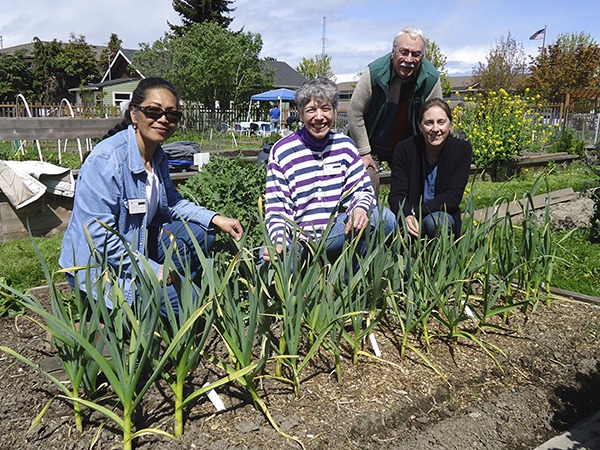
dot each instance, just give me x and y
(332, 169)
(136, 206)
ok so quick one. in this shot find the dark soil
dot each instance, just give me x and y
(548, 380)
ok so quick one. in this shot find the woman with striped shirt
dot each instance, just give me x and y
(314, 173)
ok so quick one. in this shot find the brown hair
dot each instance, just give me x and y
(435, 102)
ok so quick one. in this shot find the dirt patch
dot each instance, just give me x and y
(573, 214)
(547, 380)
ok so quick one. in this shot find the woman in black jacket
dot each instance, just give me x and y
(429, 173)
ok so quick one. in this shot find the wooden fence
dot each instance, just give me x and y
(62, 110)
(12, 129)
(50, 213)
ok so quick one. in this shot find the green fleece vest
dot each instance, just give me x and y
(381, 71)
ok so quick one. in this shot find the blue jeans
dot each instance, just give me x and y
(437, 221)
(185, 255)
(337, 236)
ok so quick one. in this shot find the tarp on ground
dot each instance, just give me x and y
(23, 182)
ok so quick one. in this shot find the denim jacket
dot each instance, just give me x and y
(110, 183)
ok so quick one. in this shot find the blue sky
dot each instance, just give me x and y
(356, 31)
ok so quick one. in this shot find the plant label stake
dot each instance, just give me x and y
(215, 399)
(375, 345)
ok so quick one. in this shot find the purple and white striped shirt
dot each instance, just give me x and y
(308, 180)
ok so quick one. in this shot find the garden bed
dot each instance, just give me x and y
(547, 382)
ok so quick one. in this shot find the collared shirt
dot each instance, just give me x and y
(111, 191)
(429, 189)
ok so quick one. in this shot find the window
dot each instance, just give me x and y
(120, 97)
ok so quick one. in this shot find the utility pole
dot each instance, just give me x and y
(324, 39)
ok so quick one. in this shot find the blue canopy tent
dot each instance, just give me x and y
(281, 95)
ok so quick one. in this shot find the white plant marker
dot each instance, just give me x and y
(375, 345)
(468, 311)
(215, 399)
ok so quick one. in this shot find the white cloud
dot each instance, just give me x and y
(356, 31)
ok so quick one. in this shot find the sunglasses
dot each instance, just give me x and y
(155, 113)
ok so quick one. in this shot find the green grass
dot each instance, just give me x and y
(577, 176)
(577, 267)
(20, 266)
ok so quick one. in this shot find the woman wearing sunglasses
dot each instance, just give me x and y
(124, 184)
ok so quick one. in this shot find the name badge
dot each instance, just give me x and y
(332, 169)
(136, 206)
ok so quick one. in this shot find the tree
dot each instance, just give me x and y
(319, 66)
(572, 62)
(434, 54)
(110, 53)
(77, 63)
(200, 11)
(58, 67)
(208, 63)
(15, 77)
(504, 67)
(46, 74)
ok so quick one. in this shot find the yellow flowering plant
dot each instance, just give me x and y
(500, 125)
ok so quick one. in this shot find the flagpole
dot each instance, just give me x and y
(544, 41)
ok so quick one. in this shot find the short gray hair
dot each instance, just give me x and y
(413, 32)
(319, 88)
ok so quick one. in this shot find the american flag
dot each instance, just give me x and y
(539, 34)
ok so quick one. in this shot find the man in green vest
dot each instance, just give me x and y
(384, 105)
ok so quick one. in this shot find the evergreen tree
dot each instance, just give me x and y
(58, 67)
(200, 11)
(77, 63)
(109, 54)
(15, 77)
(46, 74)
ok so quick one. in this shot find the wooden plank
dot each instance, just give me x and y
(536, 160)
(576, 296)
(514, 208)
(12, 129)
(47, 215)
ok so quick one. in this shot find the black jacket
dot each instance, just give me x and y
(408, 178)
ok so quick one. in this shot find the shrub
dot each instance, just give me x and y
(499, 126)
(232, 187)
(568, 142)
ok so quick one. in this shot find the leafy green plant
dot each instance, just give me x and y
(297, 284)
(567, 141)
(232, 187)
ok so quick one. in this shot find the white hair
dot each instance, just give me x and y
(413, 32)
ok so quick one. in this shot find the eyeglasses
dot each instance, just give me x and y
(155, 113)
(404, 52)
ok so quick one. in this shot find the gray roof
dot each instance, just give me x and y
(29, 48)
(285, 75)
(460, 83)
